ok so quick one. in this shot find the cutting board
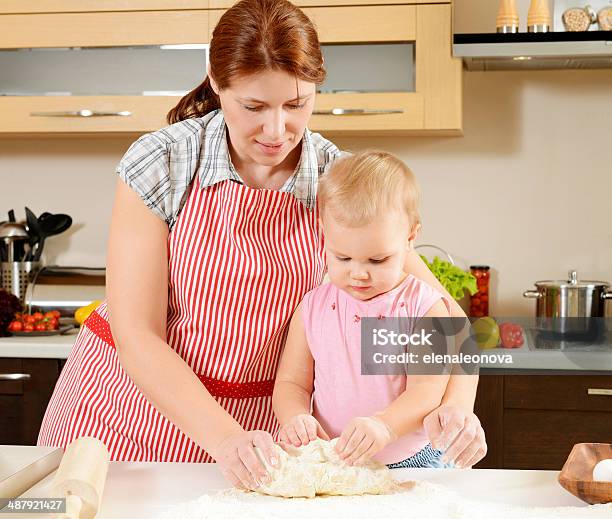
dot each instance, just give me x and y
(23, 466)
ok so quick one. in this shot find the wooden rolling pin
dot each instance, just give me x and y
(80, 478)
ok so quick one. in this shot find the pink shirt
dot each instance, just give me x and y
(331, 321)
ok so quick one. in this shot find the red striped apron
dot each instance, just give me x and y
(240, 261)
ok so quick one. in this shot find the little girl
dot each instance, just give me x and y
(368, 208)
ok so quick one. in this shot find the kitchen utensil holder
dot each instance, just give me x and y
(16, 275)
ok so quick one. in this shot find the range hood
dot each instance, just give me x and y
(534, 51)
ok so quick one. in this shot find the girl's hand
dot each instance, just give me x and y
(362, 438)
(458, 434)
(301, 430)
(239, 462)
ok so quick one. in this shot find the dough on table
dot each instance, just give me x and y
(316, 469)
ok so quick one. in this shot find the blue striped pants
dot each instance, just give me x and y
(426, 458)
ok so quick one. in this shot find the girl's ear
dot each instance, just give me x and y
(413, 235)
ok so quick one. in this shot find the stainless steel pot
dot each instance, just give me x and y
(570, 307)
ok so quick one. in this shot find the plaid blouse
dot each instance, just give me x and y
(160, 166)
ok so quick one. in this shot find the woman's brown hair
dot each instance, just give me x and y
(251, 37)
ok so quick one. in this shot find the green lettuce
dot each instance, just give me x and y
(454, 279)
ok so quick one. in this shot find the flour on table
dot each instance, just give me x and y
(424, 499)
(316, 469)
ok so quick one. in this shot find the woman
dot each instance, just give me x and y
(203, 277)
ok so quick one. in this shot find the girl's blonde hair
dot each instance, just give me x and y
(360, 187)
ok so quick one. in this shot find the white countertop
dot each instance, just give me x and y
(529, 358)
(144, 489)
(51, 347)
(525, 358)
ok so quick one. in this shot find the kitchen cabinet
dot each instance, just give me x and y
(533, 421)
(76, 65)
(80, 6)
(100, 29)
(432, 105)
(216, 4)
(23, 402)
(392, 62)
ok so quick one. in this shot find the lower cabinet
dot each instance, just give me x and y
(533, 421)
(26, 386)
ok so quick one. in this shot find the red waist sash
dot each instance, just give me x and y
(217, 388)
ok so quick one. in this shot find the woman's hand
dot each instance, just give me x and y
(362, 438)
(238, 461)
(458, 434)
(301, 430)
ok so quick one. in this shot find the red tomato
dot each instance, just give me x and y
(29, 319)
(40, 327)
(15, 326)
(37, 315)
(49, 315)
(50, 327)
(54, 323)
(511, 335)
(28, 327)
(55, 313)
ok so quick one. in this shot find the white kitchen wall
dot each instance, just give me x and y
(526, 190)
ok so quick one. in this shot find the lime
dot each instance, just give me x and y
(485, 332)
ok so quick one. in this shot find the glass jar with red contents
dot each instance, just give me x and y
(479, 302)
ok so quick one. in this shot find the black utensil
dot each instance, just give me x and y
(34, 232)
(11, 215)
(55, 223)
(50, 226)
(43, 216)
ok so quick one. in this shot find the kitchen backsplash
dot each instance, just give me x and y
(526, 190)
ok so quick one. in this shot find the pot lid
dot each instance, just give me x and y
(572, 282)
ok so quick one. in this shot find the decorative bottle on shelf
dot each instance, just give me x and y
(538, 18)
(507, 17)
(479, 302)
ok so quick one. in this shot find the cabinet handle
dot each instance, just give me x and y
(357, 111)
(602, 392)
(81, 113)
(15, 376)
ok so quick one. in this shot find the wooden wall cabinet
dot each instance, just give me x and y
(431, 105)
(23, 402)
(224, 4)
(84, 6)
(533, 421)
(435, 104)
